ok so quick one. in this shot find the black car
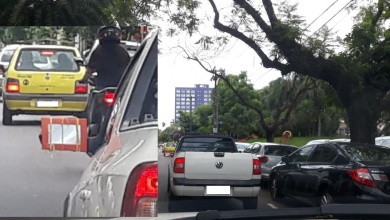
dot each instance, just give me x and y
(337, 172)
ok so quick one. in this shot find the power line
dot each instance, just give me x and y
(329, 19)
(321, 15)
(262, 75)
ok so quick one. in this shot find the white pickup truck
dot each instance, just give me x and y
(211, 166)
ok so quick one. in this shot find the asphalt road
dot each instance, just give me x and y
(33, 182)
(265, 202)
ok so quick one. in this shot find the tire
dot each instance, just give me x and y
(7, 115)
(274, 191)
(325, 197)
(249, 202)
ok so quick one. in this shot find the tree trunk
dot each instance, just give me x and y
(319, 125)
(269, 136)
(362, 121)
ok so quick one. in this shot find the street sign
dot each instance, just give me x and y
(215, 130)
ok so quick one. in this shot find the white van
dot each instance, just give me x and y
(6, 54)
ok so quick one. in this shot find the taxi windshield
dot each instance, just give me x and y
(47, 60)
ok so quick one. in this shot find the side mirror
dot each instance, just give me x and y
(93, 130)
(79, 61)
(285, 159)
(64, 134)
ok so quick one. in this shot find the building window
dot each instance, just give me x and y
(183, 99)
(177, 95)
(178, 106)
(183, 103)
(178, 91)
(192, 91)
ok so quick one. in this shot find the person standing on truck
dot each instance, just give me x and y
(109, 59)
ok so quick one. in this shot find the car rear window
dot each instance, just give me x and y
(368, 154)
(47, 60)
(7, 55)
(208, 144)
(278, 150)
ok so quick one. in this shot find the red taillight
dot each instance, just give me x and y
(178, 166)
(141, 194)
(81, 88)
(263, 158)
(109, 98)
(256, 167)
(362, 176)
(12, 86)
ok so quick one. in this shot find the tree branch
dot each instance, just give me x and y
(267, 62)
(375, 19)
(270, 12)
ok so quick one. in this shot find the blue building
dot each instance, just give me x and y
(187, 98)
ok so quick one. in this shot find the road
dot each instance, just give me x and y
(34, 183)
(265, 202)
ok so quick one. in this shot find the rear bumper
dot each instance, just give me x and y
(27, 103)
(197, 187)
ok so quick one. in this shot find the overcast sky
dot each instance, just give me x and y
(176, 71)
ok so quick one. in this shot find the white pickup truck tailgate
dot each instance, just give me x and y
(206, 165)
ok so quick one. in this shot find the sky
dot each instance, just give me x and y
(176, 71)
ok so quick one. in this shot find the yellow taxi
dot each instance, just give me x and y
(169, 149)
(44, 80)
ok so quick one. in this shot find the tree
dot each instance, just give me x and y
(54, 12)
(360, 75)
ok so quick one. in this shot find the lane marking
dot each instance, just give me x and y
(272, 205)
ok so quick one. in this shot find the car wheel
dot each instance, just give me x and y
(249, 202)
(325, 198)
(7, 115)
(275, 193)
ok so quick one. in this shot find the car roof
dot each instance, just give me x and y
(243, 143)
(48, 46)
(12, 46)
(381, 138)
(274, 144)
(206, 136)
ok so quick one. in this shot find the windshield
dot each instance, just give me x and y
(207, 144)
(7, 55)
(278, 150)
(47, 60)
(241, 146)
(368, 154)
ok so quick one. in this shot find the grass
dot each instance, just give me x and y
(296, 141)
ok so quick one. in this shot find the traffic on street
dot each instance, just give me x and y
(265, 201)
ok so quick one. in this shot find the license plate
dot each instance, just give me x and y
(47, 104)
(217, 190)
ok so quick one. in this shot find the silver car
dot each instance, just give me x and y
(242, 146)
(269, 155)
(122, 179)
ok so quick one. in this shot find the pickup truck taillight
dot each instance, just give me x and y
(81, 88)
(141, 193)
(256, 167)
(12, 86)
(109, 98)
(362, 176)
(178, 166)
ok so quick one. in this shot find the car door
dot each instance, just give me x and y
(293, 176)
(136, 92)
(319, 167)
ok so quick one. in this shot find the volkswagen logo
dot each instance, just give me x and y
(219, 165)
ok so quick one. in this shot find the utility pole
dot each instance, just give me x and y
(191, 97)
(215, 100)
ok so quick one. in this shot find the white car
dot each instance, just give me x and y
(241, 146)
(6, 54)
(122, 179)
(383, 141)
(210, 166)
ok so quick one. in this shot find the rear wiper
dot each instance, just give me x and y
(335, 211)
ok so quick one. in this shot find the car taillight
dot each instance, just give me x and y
(12, 86)
(256, 167)
(178, 166)
(81, 88)
(141, 193)
(362, 176)
(263, 158)
(109, 98)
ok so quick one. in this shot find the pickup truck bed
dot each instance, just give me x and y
(211, 166)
